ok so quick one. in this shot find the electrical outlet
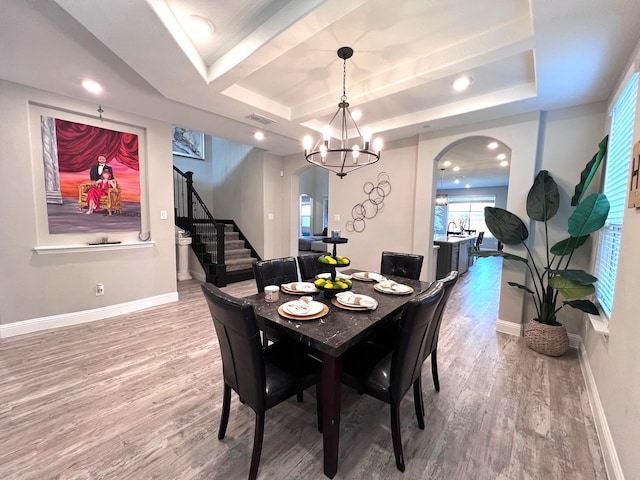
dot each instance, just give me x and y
(163, 214)
(99, 289)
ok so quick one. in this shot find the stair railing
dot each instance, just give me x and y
(193, 215)
(190, 211)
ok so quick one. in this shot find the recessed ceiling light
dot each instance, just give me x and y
(502, 156)
(456, 181)
(200, 27)
(91, 86)
(446, 163)
(456, 169)
(356, 115)
(467, 186)
(462, 83)
(258, 135)
(504, 163)
(492, 145)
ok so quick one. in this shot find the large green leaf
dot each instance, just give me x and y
(505, 226)
(570, 289)
(543, 199)
(585, 305)
(521, 287)
(579, 276)
(589, 171)
(497, 253)
(589, 216)
(568, 245)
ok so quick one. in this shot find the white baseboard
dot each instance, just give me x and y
(74, 318)
(200, 276)
(509, 328)
(609, 453)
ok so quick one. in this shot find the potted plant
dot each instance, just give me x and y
(551, 276)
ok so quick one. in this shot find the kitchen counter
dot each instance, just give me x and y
(437, 239)
(454, 253)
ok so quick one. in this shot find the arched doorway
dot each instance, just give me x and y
(471, 174)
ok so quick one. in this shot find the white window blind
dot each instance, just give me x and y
(615, 187)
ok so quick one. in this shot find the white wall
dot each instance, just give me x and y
(237, 185)
(392, 227)
(34, 286)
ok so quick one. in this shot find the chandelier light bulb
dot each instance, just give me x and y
(326, 133)
(355, 151)
(377, 145)
(306, 143)
(323, 152)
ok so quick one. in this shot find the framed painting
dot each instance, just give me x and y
(188, 143)
(92, 177)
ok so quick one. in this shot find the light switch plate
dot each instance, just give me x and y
(336, 217)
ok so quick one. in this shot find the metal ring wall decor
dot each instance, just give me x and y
(370, 207)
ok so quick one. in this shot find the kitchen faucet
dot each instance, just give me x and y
(454, 226)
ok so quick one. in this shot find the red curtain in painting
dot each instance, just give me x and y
(80, 145)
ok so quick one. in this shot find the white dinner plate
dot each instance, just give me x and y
(300, 287)
(338, 275)
(302, 309)
(357, 300)
(389, 286)
(367, 276)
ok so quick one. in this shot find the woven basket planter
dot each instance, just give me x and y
(549, 340)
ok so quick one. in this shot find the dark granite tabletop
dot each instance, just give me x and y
(340, 329)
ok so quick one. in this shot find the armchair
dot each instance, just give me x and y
(111, 202)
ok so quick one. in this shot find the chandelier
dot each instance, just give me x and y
(347, 154)
(442, 199)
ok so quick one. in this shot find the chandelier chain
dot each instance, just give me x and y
(344, 80)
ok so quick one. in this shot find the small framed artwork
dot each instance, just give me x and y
(188, 143)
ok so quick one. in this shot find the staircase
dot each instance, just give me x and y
(222, 249)
(237, 257)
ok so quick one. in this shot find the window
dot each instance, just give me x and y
(469, 211)
(305, 215)
(615, 187)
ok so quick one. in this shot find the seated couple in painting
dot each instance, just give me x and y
(100, 188)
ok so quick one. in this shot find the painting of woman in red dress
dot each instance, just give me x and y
(99, 189)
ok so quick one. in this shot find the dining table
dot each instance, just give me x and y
(330, 337)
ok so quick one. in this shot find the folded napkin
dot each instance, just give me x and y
(351, 299)
(301, 287)
(300, 307)
(393, 286)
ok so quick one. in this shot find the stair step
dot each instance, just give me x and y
(214, 238)
(239, 264)
(228, 245)
(237, 253)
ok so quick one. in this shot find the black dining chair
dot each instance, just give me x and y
(479, 239)
(275, 272)
(388, 373)
(405, 265)
(262, 378)
(433, 333)
(310, 266)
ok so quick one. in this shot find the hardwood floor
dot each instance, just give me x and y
(139, 397)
